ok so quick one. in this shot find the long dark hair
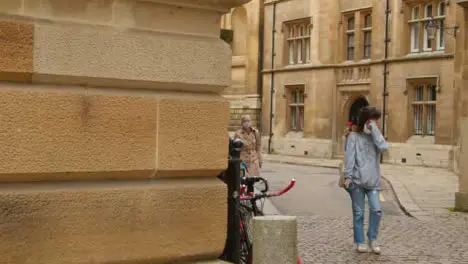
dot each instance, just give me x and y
(365, 114)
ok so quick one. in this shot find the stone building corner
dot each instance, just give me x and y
(105, 153)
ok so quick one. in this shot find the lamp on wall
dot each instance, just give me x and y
(432, 26)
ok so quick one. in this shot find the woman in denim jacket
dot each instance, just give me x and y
(362, 176)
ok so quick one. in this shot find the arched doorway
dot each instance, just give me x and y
(239, 27)
(359, 103)
(350, 112)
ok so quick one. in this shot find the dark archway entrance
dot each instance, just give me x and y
(355, 107)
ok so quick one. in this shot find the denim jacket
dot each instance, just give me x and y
(362, 157)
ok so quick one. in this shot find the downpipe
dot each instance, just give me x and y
(385, 75)
(272, 78)
(261, 38)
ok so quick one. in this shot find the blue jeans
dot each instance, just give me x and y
(358, 196)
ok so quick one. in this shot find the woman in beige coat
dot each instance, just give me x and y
(251, 153)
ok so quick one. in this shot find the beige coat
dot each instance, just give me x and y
(251, 152)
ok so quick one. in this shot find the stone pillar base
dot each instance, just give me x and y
(275, 239)
(461, 201)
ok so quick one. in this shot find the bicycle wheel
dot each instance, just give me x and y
(246, 215)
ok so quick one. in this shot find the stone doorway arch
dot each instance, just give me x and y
(352, 103)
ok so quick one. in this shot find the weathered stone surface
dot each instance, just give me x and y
(108, 98)
(12, 6)
(112, 222)
(109, 135)
(188, 131)
(275, 239)
(16, 50)
(461, 197)
(103, 56)
(463, 154)
(71, 133)
(461, 201)
(84, 10)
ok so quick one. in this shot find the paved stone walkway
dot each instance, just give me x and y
(404, 240)
(422, 192)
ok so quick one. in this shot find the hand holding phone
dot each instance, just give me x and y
(348, 185)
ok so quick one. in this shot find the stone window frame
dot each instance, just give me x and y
(428, 14)
(367, 35)
(296, 95)
(423, 95)
(440, 20)
(353, 32)
(297, 41)
(420, 13)
(350, 35)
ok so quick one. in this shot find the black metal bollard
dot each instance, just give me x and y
(232, 179)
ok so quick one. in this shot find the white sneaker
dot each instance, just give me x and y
(362, 248)
(375, 247)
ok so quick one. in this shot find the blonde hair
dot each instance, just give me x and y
(245, 118)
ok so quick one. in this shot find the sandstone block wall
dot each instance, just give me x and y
(113, 130)
(461, 69)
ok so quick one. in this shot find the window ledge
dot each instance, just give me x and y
(355, 63)
(238, 61)
(425, 54)
(348, 62)
(297, 66)
(421, 140)
(295, 134)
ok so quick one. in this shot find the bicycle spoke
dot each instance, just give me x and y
(246, 214)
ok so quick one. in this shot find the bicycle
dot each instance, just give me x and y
(245, 173)
(249, 209)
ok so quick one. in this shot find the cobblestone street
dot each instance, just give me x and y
(404, 240)
(325, 223)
